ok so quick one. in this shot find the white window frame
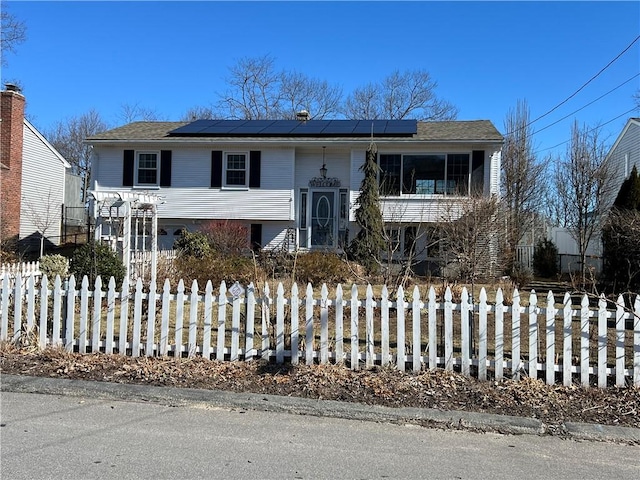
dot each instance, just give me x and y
(247, 162)
(137, 182)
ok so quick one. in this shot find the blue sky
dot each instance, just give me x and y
(170, 56)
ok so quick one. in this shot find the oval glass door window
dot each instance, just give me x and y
(323, 211)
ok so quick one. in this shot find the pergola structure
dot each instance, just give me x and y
(128, 222)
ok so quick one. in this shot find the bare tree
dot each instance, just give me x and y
(409, 94)
(300, 92)
(582, 182)
(68, 136)
(523, 181)
(133, 112)
(257, 90)
(468, 231)
(253, 89)
(200, 112)
(13, 32)
(363, 103)
(44, 214)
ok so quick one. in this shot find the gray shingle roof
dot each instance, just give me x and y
(139, 131)
(458, 130)
(476, 130)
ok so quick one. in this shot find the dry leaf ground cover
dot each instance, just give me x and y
(437, 389)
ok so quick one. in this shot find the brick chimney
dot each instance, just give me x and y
(11, 141)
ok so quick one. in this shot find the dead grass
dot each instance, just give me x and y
(378, 386)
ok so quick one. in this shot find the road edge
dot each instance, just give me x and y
(174, 396)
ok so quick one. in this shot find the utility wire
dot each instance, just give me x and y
(589, 131)
(585, 106)
(587, 83)
(576, 92)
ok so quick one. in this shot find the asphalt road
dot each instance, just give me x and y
(74, 437)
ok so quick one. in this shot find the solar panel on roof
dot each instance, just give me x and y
(215, 130)
(318, 128)
(311, 127)
(339, 127)
(281, 127)
(401, 127)
(363, 127)
(193, 127)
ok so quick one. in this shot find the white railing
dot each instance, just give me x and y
(488, 340)
(140, 261)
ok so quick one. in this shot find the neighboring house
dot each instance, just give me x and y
(32, 176)
(294, 183)
(624, 155)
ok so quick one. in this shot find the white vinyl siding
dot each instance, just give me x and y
(624, 155)
(191, 196)
(309, 160)
(43, 183)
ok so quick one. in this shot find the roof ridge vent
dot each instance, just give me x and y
(302, 116)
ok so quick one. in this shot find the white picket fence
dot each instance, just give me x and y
(25, 269)
(562, 341)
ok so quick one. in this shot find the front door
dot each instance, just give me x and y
(323, 219)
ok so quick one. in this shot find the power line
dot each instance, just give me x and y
(587, 83)
(585, 106)
(589, 131)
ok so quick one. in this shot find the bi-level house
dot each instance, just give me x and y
(294, 183)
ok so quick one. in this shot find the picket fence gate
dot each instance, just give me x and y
(240, 324)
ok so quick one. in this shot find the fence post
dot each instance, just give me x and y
(636, 342)
(433, 329)
(448, 330)
(65, 300)
(369, 354)
(551, 339)
(416, 331)
(533, 335)
(499, 335)
(401, 358)
(515, 336)
(465, 332)
(384, 325)
(295, 327)
(339, 325)
(308, 336)
(69, 313)
(193, 319)
(482, 335)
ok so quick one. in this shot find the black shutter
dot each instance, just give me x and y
(165, 168)
(216, 168)
(127, 168)
(254, 169)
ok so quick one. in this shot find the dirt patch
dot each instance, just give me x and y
(438, 389)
